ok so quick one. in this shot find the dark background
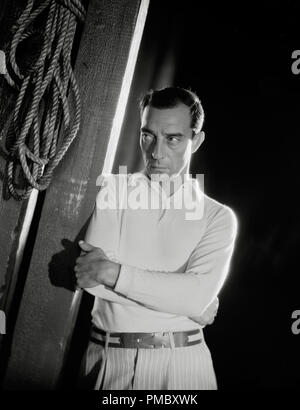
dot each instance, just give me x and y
(237, 58)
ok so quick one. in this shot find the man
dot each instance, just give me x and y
(156, 271)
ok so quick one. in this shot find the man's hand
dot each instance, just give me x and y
(208, 316)
(93, 267)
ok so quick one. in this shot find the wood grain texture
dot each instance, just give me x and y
(48, 309)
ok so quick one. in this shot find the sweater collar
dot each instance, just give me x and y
(189, 187)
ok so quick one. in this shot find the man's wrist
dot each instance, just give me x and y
(111, 275)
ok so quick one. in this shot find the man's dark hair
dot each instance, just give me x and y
(169, 97)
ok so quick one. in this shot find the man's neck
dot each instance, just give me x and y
(170, 184)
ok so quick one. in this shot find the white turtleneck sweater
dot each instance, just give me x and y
(173, 259)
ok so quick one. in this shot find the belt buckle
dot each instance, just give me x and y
(144, 342)
(134, 340)
(159, 340)
(150, 341)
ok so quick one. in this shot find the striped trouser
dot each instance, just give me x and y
(176, 368)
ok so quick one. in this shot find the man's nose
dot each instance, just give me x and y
(158, 152)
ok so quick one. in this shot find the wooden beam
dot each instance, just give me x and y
(49, 307)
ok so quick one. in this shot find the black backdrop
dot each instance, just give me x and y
(238, 59)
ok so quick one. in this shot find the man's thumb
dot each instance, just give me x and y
(85, 246)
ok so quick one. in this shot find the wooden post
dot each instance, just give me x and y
(104, 69)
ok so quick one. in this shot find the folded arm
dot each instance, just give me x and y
(191, 291)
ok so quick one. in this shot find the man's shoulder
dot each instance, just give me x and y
(213, 205)
(216, 211)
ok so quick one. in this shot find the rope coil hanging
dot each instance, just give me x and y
(34, 142)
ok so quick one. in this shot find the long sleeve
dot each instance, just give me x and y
(191, 291)
(103, 232)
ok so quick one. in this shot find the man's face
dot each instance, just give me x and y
(167, 140)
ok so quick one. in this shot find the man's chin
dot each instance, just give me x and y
(155, 172)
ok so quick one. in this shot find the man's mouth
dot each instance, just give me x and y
(158, 167)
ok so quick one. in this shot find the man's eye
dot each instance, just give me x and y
(173, 139)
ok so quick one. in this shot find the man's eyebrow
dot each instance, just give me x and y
(144, 129)
(167, 134)
(174, 134)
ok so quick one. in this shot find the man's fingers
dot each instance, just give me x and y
(208, 316)
(86, 246)
(84, 259)
(95, 254)
(201, 322)
(214, 305)
(81, 268)
(212, 309)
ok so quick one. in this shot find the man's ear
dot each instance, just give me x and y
(197, 140)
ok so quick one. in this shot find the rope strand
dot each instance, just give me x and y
(33, 141)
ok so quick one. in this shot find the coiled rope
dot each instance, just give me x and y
(35, 144)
